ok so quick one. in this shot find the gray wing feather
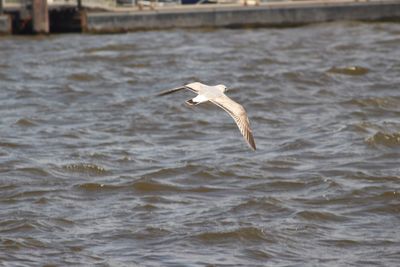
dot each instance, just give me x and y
(173, 90)
(238, 113)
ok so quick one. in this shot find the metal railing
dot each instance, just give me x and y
(85, 3)
(89, 3)
(112, 4)
(104, 3)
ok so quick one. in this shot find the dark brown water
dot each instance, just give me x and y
(95, 171)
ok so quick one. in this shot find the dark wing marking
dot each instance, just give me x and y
(173, 90)
(238, 113)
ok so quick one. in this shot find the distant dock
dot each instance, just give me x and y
(268, 14)
(277, 14)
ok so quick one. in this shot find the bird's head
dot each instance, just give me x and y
(222, 88)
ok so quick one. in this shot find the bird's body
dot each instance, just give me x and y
(216, 95)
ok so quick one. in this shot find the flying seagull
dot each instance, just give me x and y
(215, 94)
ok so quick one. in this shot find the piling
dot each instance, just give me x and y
(40, 16)
(5, 21)
(5, 24)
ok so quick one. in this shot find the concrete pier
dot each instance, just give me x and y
(40, 16)
(5, 24)
(273, 14)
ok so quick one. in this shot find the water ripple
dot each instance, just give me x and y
(96, 171)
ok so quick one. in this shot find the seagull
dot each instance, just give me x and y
(216, 95)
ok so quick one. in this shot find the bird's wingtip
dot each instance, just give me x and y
(253, 147)
(170, 91)
(252, 143)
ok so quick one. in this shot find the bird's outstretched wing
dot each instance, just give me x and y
(173, 90)
(238, 113)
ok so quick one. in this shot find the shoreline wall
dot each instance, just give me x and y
(278, 15)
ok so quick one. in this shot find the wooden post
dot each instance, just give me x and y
(40, 16)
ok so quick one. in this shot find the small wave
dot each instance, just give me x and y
(19, 243)
(30, 194)
(62, 221)
(152, 186)
(281, 165)
(258, 254)
(146, 207)
(95, 187)
(343, 243)
(70, 135)
(187, 168)
(202, 189)
(266, 120)
(380, 102)
(362, 127)
(251, 234)
(112, 47)
(279, 186)
(16, 226)
(25, 122)
(386, 139)
(261, 204)
(34, 171)
(146, 185)
(151, 232)
(81, 77)
(7, 187)
(351, 70)
(139, 66)
(42, 201)
(372, 178)
(13, 145)
(297, 144)
(390, 195)
(85, 168)
(320, 216)
(392, 209)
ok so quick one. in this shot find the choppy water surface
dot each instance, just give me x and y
(95, 171)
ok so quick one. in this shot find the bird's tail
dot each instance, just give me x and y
(190, 102)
